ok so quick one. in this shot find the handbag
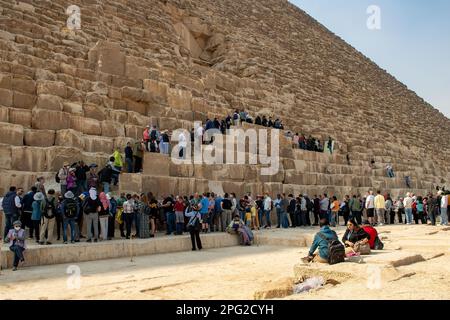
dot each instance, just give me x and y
(378, 245)
(362, 248)
(194, 223)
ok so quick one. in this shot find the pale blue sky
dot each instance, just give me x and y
(413, 44)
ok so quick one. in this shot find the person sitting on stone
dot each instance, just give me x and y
(258, 120)
(319, 248)
(16, 237)
(264, 121)
(356, 239)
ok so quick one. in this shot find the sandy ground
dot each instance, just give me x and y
(232, 273)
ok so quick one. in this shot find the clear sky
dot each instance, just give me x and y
(413, 43)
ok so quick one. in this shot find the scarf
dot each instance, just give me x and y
(104, 200)
(93, 194)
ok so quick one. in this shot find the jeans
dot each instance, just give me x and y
(71, 222)
(260, 217)
(279, 213)
(129, 162)
(357, 216)
(9, 220)
(170, 221)
(284, 219)
(267, 213)
(105, 187)
(164, 147)
(18, 254)
(444, 216)
(409, 215)
(333, 215)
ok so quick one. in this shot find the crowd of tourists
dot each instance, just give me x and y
(154, 140)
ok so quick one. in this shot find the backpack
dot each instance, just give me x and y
(309, 204)
(70, 209)
(193, 224)
(50, 209)
(336, 250)
(57, 179)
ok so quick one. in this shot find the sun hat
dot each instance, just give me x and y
(39, 196)
(69, 195)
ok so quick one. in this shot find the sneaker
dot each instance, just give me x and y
(73, 241)
(95, 240)
(89, 240)
(65, 242)
(48, 243)
(14, 269)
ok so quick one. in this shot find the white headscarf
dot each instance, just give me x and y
(93, 193)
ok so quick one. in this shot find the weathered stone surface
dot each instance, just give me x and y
(86, 125)
(28, 159)
(39, 138)
(98, 144)
(179, 99)
(51, 120)
(6, 97)
(73, 108)
(23, 100)
(5, 158)
(94, 111)
(24, 85)
(4, 114)
(156, 88)
(107, 57)
(156, 164)
(56, 88)
(20, 116)
(69, 138)
(49, 102)
(112, 129)
(11, 134)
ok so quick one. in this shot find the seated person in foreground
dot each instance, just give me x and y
(321, 244)
(355, 239)
(374, 241)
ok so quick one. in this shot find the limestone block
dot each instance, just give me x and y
(187, 186)
(24, 85)
(107, 57)
(39, 138)
(28, 159)
(69, 138)
(132, 93)
(156, 88)
(129, 182)
(179, 99)
(121, 142)
(94, 111)
(56, 88)
(73, 107)
(133, 131)
(140, 120)
(4, 114)
(49, 102)
(23, 100)
(86, 125)
(180, 170)
(156, 164)
(112, 129)
(51, 120)
(273, 188)
(11, 134)
(136, 72)
(56, 156)
(98, 144)
(119, 116)
(6, 97)
(20, 116)
(138, 107)
(5, 157)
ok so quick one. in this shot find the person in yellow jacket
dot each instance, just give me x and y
(379, 203)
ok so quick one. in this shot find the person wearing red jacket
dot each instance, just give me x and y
(371, 231)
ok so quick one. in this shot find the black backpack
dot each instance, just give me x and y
(70, 208)
(50, 209)
(57, 179)
(336, 250)
(153, 135)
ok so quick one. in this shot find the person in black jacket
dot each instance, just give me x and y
(354, 234)
(291, 210)
(81, 171)
(27, 209)
(105, 177)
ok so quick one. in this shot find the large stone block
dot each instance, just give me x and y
(179, 99)
(157, 89)
(180, 170)
(23, 100)
(86, 125)
(28, 159)
(4, 114)
(94, 111)
(56, 156)
(156, 164)
(5, 157)
(51, 120)
(69, 138)
(6, 97)
(107, 57)
(98, 144)
(49, 102)
(112, 129)
(56, 88)
(20, 116)
(118, 115)
(73, 107)
(24, 85)
(39, 138)
(121, 142)
(11, 134)
(134, 132)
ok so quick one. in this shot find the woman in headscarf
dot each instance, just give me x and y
(91, 209)
(104, 215)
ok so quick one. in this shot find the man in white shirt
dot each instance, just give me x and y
(182, 143)
(370, 207)
(408, 202)
(267, 209)
(200, 132)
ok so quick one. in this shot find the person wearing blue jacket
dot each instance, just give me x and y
(321, 244)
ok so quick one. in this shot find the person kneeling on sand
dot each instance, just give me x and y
(355, 239)
(321, 243)
(374, 241)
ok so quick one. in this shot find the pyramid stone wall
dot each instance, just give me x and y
(69, 95)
